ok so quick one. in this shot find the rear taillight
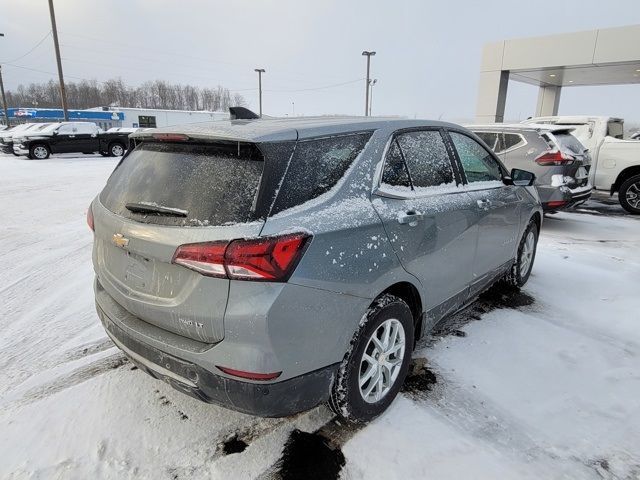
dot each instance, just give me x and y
(206, 258)
(554, 158)
(556, 204)
(90, 219)
(263, 259)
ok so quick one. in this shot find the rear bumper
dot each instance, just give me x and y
(276, 399)
(555, 199)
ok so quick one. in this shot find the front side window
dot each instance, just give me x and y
(67, 129)
(477, 163)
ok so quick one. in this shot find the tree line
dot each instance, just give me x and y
(151, 94)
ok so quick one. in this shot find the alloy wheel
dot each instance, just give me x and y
(633, 195)
(382, 360)
(40, 152)
(526, 256)
(117, 150)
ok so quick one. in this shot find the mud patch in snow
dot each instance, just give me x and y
(234, 445)
(499, 296)
(309, 456)
(420, 378)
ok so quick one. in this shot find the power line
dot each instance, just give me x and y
(318, 88)
(32, 49)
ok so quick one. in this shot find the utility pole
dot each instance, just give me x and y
(373, 84)
(54, 30)
(4, 99)
(366, 98)
(260, 72)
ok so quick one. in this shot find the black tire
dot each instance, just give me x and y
(34, 151)
(116, 149)
(629, 188)
(346, 399)
(516, 277)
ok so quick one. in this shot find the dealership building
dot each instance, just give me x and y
(108, 117)
(608, 56)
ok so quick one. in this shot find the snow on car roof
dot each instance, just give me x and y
(283, 129)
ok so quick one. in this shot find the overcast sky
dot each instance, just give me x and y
(427, 62)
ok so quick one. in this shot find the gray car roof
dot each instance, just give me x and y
(282, 129)
(520, 126)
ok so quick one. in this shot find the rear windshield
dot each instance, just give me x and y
(568, 143)
(207, 184)
(316, 167)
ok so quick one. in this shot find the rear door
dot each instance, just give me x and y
(86, 138)
(430, 221)
(497, 207)
(215, 187)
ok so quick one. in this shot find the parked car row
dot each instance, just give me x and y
(39, 140)
(559, 161)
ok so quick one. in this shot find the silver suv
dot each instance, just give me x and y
(559, 161)
(271, 265)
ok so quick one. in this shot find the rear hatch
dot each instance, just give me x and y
(161, 196)
(577, 158)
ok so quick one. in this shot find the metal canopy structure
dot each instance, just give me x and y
(608, 56)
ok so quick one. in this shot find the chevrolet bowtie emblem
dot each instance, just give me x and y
(119, 240)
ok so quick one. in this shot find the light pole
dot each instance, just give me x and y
(293, 109)
(63, 92)
(260, 72)
(373, 84)
(366, 98)
(4, 99)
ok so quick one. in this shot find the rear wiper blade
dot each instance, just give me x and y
(147, 207)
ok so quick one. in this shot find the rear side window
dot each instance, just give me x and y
(417, 159)
(490, 138)
(427, 158)
(215, 184)
(512, 140)
(316, 166)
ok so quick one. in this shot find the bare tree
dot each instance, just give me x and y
(114, 92)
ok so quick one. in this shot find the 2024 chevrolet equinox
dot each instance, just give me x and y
(272, 265)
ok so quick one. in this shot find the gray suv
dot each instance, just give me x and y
(560, 162)
(271, 265)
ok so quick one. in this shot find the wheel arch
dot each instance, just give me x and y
(410, 294)
(623, 176)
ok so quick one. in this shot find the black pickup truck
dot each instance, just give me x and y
(70, 137)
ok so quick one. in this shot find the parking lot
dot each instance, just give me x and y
(542, 383)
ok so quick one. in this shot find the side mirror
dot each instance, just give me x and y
(55, 132)
(520, 178)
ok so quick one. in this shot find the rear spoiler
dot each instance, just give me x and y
(242, 113)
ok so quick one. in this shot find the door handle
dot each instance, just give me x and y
(411, 218)
(484, 204)
(72, 136)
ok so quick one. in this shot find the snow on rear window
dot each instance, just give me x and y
(214, 184)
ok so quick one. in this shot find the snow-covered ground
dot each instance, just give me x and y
(545, 384)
